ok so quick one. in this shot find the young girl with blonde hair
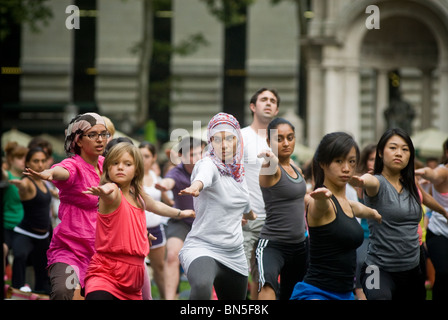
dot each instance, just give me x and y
(117, 270)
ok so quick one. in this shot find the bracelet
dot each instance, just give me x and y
(178, 214)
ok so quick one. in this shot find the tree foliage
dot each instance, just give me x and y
(230, 12)
(30, 12)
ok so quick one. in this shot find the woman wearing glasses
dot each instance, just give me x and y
(73, 240)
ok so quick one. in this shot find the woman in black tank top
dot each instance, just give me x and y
(31, 237)
(334, 231)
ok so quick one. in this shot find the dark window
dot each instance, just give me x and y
(235, 69)
(160, 79)
(85, 51)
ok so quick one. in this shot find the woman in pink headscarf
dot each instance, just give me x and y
(213, 252)
(73, 241)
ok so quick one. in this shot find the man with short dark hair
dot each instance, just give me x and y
(264, 105)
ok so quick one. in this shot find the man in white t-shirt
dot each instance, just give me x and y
(264, 105)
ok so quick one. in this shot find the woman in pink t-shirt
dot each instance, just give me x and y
(73, 241)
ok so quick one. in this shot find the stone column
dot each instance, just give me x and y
(352, 102)
(315, 101)
(382, 101)
(442, 121)
(333, 100)
(426, 112)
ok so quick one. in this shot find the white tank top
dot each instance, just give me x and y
(437, 223)
(152, 219)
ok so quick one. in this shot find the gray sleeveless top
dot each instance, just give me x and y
(394, 244)
(285, 209)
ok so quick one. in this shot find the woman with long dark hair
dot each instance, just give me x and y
(32, 234)
(335, 234)
(391, 270)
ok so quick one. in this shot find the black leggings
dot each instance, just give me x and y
(100, 295)
(437, 249)
(206, 272)
(404, 285)
(26, 249)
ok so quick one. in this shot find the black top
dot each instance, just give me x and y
(37, 211)
(333, 252)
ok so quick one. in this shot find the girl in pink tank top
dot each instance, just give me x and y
(117, 269)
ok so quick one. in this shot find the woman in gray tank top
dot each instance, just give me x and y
(392, 267)
(281, 250)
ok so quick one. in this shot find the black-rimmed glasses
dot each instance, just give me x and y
(95, 135)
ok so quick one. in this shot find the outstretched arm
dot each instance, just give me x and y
(109, 195)
(107, 192)
(24, 187)
(162, 209)
(320, 207)
(431, 203)
(193, 190)
(367, 181)
(165, 184)
(435, 176)
(362, 211)
(55, 173)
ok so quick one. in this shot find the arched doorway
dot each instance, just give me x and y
(348, 65)
(400, 57)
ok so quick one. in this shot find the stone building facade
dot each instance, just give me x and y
(348, 65)
(271, 59)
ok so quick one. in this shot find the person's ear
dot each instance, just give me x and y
(252, 107)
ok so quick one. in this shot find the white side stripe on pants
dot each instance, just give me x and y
(259, 254)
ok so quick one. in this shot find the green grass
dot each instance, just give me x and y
(184, 290)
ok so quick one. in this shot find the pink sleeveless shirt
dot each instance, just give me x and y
(121, 246)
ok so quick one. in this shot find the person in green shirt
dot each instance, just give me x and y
(12, 207)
